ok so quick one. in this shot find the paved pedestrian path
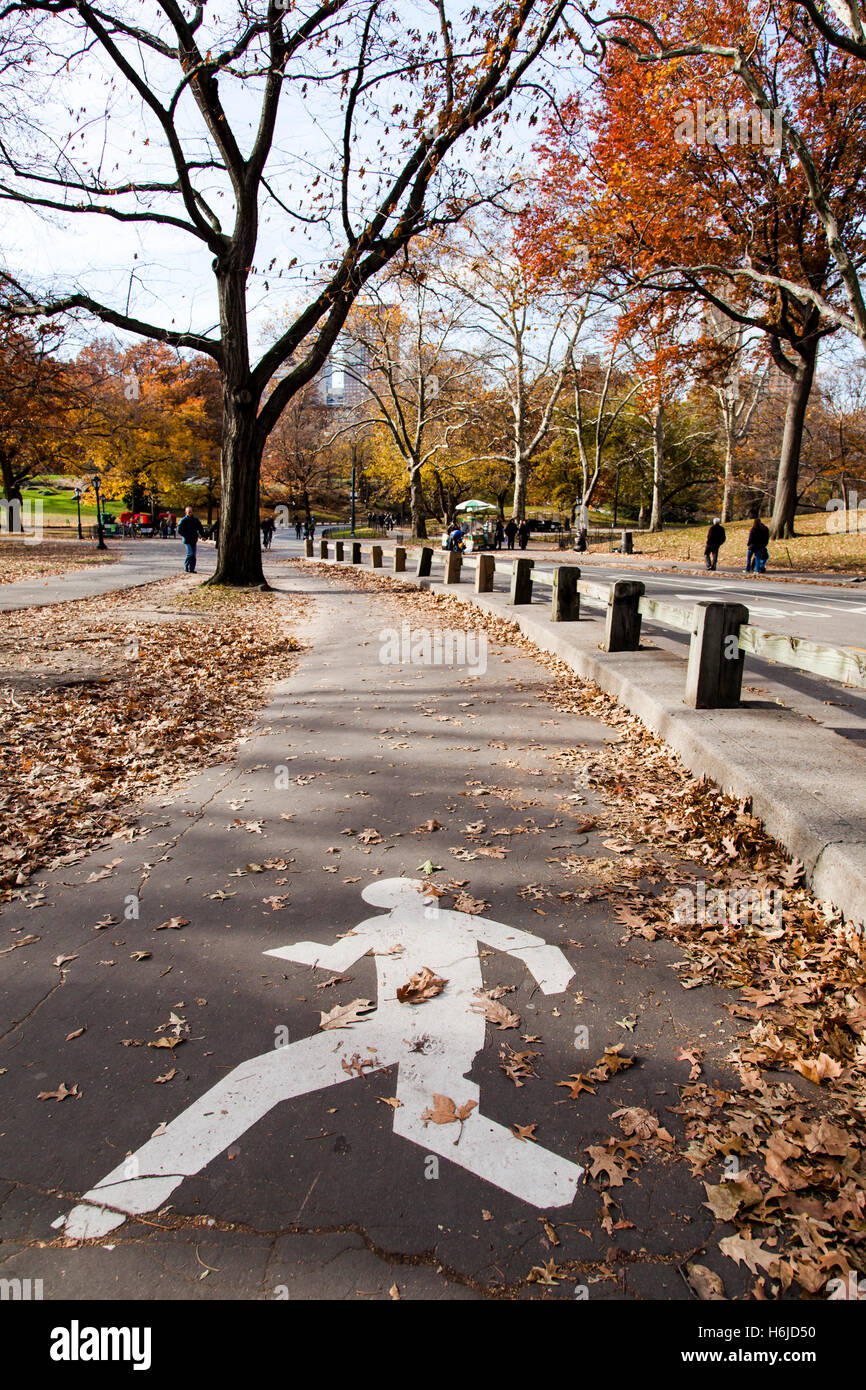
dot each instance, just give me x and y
(139, 562)
(221, 1144)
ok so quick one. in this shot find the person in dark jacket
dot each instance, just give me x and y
(757, 554)
(523, 534)
(510, 532)
(716, 537)
(189, 528)
(499, 534)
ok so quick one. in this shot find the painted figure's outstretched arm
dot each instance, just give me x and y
(338, 956)
(546, 964)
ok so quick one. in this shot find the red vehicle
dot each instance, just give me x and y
(143, 522)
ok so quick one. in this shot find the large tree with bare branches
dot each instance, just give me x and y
(195, 127)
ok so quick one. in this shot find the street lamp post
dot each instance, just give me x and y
(77, 495)
(353, 488)
(100, 544)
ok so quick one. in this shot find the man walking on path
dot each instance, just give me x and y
(756, 547)
(510, 532)
(523, 533)
(190, 529)
(716, 537)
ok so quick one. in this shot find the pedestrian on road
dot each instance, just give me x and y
(190, 529)
(298, 528)
(757, 553)
(499, 534)
(716, 537)
(510, 532)
(522, 534)
(268, 529)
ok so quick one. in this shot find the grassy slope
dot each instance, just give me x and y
(812, 549)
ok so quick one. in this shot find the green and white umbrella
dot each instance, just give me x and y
(475, 506)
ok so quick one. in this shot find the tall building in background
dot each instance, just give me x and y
(342, 379)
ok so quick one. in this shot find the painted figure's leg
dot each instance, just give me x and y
(144, 1181)
(485, 1148)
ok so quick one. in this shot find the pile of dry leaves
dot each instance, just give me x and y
(105, 701)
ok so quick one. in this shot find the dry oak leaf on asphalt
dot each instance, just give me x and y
(445, 1112)
(423, 985)
(344, 1015)
(706, 1283)
(494, 1011)
(63, 1092)
(641, 1124)
(606, 1163)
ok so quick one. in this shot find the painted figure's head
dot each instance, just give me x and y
(398, 892)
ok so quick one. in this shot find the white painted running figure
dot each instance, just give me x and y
(453, 1033)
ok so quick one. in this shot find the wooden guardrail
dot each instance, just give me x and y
(720, 634)
(834, 663)
(668, 614)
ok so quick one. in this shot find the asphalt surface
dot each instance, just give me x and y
(330, 1191)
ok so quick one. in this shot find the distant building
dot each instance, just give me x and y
(342, 379)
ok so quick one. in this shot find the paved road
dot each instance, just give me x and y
(293, 1172)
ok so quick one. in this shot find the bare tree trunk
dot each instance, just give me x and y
(239, 561)
(416, 504)
(521, 478)
(12, 494)
(785, 504)
(727, 511)
(240, 551)
(658, 429)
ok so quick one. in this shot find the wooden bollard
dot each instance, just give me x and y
(565, 604)
(323, 550)
(484, 574)
(521, 581)
(400, 559)
(376, 557)
(453, 564)
(425, 559)
(622, 628)
(338, 550)
(714, 676)
(356, 552)
(308, 547)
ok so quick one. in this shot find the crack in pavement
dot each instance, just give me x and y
(203, 1225)
(38, 1005)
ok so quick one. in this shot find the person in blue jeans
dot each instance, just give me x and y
(189, 528)
(757, 554)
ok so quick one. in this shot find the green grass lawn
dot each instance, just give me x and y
(58, 505)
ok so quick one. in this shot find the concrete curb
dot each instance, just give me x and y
(807, 785)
